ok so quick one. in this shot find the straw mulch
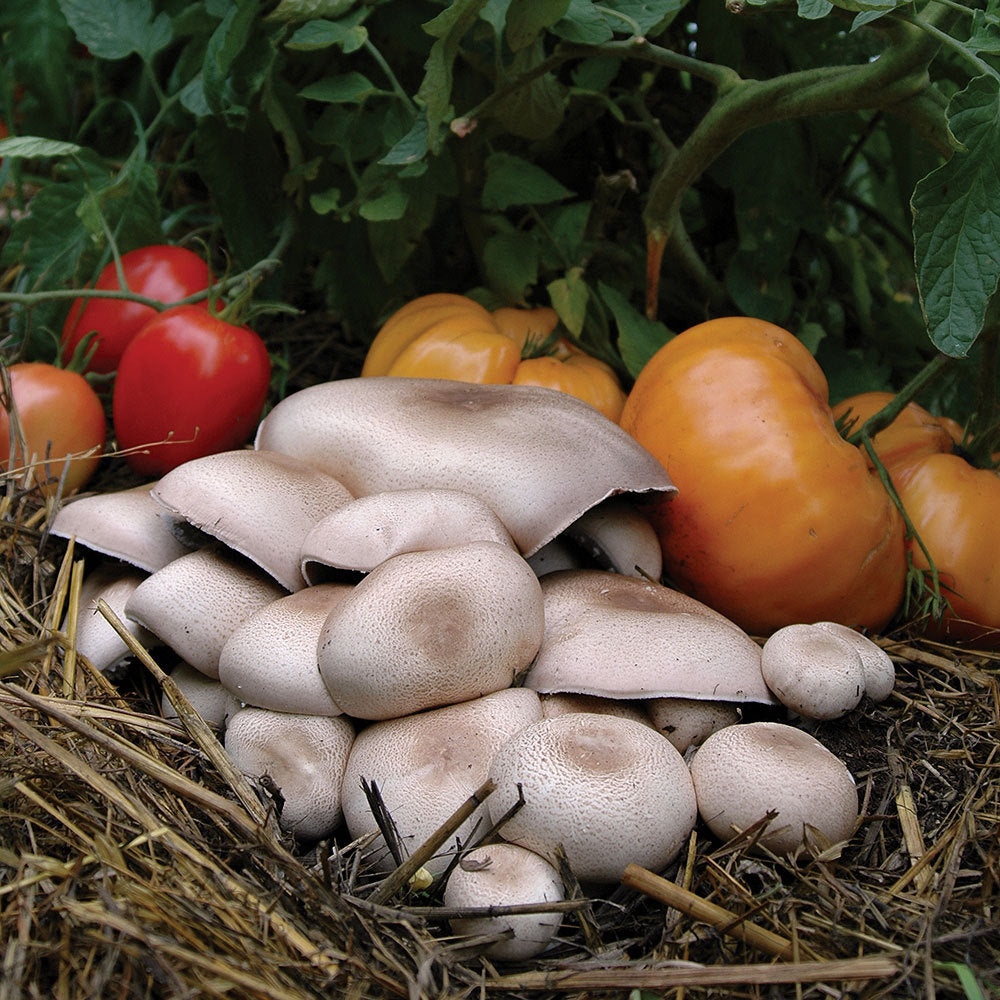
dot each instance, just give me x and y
(135, 863)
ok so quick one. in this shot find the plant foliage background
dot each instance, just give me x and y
(831, 168)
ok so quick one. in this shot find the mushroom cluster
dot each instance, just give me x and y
(413, 585)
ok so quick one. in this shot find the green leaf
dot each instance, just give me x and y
(237, 60)
(583, 24)
(534, 111)
(511, 180)
(569, 297)
(31, 147)
(348, 88)
(527, 18)
(386, 207)
(956, 223)
(114, 29)
(412, 147)
(325, 201)
(812, 10)
(639, 337)
(985, 37)
(393, 243)
(348, 34)
(511, 264)
(303, 10)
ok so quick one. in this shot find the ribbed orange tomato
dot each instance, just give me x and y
(777, 519)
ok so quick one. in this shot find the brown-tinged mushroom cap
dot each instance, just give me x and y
(813, 671)
(209, 698)
(743, 772)
(259, 503)
(879, 670)
(538, 457)
(270, 659)
(506, 875)
(622, 637)
(371, 529)
(127, 524)
(303, 755)
(432, 628)
(569, 704)
(195, 603)
(688, 722)
(426, 765)
(609, 790)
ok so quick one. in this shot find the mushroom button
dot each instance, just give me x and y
(877, 665)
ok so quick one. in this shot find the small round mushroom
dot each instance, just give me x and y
(304, 756)
(813, 671)
(270, 659)
(209, 698)
(743, 772)
(515, 447)
(615, 536)
(432, 628)
(688, 722)
(371, 529)
(195, 603)
(609, 790)
(426, 765)
(127, 524)
(259, 503)
(506, 875)
(879, 670)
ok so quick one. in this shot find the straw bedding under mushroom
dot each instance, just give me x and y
(134, 863)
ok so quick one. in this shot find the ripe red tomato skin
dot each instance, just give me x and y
(163, 272)
(58, 406)
(191, 378)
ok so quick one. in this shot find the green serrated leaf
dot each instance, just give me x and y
(956, 223)
(511, 264)
(584, 24)
(511, 180)
(639, 337)
(412, 147)
(348, 34)
(294, 11)
(534, 111)
(347, 88)
(527, 18)
(985, 36)
(813, 10)
(31, 147)
(569, 297)
(114, 29)
(234, 35)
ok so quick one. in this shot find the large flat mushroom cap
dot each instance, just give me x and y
(259, 503)
(538, 457)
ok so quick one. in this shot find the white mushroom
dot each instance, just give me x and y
(304, 756)
(688, 722)
(518, 448)
(426, 765)
(813, 671)
(371, 529)
(209, 698)
(259, 503)
(506, 875)
(432, 628)
(879, 670)
(615, 536)
(196, 602)
(270, 659)
(609, 790)
(568, 704)
(743, 772)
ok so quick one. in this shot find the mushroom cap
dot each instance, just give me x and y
(426, 765)
(518, 448)
(813, 671)
(371, 529)
(127, 524)
(95, 638)
(305, 757)
(879, 670)
(197, 601)
(270, 659)
(688, 722)
(505, 875)
(212, 701)
(559, 554)
(614, 535)
(569, 704)
(432, 628)
(609, 790)
(742, 772)
(259, 503)
(622, 637)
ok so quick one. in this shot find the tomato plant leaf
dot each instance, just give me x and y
(385, 207)
(511, 263)
(347, 33)
(412, 147)
(956, 222)
(569, 297)
(114, 29)
(985, 36)
(303, 10)
(347, 88)
(526, 18)
(584, 24)
(534, 111)
(33, 147)
(639, 337)
(511, 180)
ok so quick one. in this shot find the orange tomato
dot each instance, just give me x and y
(777, 519)
(63, 423)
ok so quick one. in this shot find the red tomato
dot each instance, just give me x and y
(189, 384)
(60, 416)
(165, 273)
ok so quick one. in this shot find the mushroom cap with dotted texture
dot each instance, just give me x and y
(270, 660)
(688, 722)
(426, 765)
(373, 528)
(623, 637)
(432, 628)
(506, 875)
(214, 703)
(259, 503)
(518, 448)
(611, 791)
(195, 603)
(304, 755)
(879, 670)
(743, 772)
